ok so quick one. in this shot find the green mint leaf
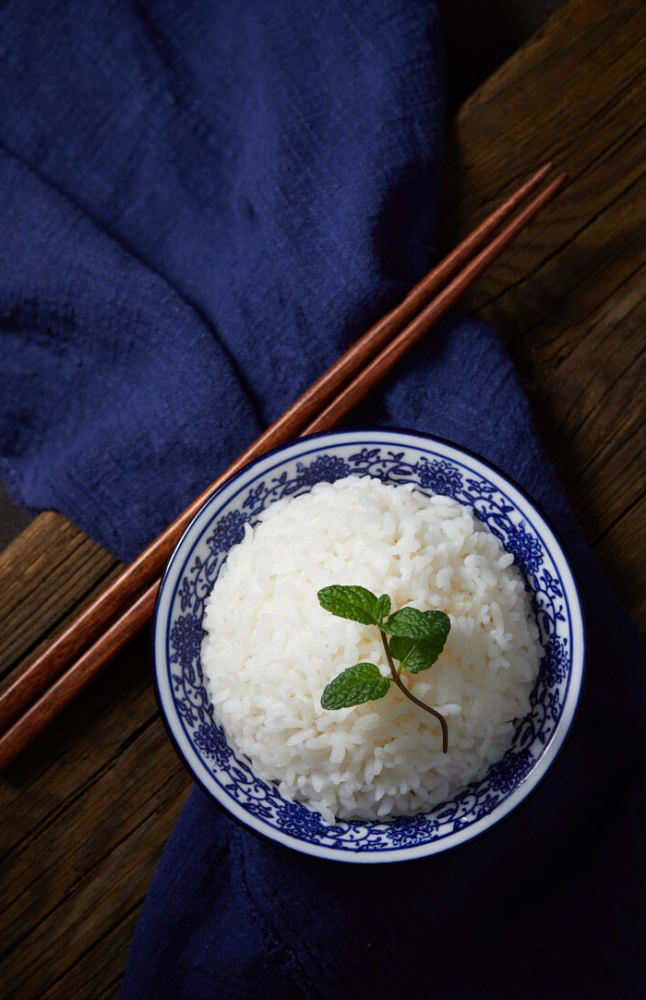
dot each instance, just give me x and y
(418, 624)
(383, 606)
(413, 654)
(418, 637)
(354, 686)
(355, 603)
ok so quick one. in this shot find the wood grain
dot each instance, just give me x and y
(51, 569)
(81, 834)
(86, 811)
(570, 300)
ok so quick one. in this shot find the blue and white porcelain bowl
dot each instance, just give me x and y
(433, 466)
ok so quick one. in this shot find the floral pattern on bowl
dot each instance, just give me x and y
(397, 457)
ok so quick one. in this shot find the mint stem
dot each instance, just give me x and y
(402, 687)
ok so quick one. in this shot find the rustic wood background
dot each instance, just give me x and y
(86, 811)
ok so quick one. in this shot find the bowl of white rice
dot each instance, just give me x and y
(244, 649)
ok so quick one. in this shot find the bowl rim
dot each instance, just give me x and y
(526, 785)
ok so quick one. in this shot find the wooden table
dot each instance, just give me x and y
(87, 810)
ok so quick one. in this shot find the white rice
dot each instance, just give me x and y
(270, 648)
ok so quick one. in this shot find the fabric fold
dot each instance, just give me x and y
(245, 157)
(511, 914)
(203, 204)
(98, 354)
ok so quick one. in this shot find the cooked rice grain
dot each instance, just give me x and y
(270, 649)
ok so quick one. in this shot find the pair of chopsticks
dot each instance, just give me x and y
(77, 655)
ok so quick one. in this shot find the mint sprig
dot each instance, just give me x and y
(417, 639)
(362, 682)
(356, 603)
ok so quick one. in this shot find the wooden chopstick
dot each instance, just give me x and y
(40, 693)
(376, 370)
(91, 622)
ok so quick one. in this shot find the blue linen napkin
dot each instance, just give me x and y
(202, 205)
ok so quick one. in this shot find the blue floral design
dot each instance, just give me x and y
(432, 475)
(526, 548)
(324, 469)
(513, 768)
(439, 477)
(557, 662)
(186, 638)
(212, 742)
(228, 531)
(406, 831)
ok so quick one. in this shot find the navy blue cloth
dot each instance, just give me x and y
(549, 903)
(203, 204)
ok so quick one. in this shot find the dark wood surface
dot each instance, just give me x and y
(86, 811)
(570, 298)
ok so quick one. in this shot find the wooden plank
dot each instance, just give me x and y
(86, 811)
(81, 833)
(570, 298)
(49, 572)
